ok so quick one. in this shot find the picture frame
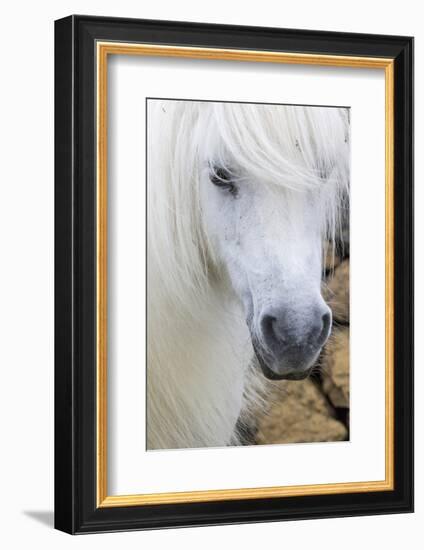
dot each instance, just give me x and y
(83, 45)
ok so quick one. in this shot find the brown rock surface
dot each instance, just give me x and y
(336, 292)
(299, 414)
(335, 368)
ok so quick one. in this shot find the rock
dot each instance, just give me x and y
(336, 292)
(299, 414)
(335, 368)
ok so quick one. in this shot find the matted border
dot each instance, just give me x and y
(103, 50)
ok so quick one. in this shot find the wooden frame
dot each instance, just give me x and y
(83, 45)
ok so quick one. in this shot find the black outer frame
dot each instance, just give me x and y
(75, 275)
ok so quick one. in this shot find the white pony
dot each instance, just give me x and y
(241, 198)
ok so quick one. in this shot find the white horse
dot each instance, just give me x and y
(241, 198)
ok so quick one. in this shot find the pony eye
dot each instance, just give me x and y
(222, 178)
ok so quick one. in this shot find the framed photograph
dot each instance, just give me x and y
(234, 274)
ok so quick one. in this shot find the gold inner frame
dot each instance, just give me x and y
(103, 50)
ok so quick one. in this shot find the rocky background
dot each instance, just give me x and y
(317, 409)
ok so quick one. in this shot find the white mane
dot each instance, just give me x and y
(198, 343)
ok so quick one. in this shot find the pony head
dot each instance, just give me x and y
(257, 191)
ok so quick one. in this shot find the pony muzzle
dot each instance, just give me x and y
(289, 343)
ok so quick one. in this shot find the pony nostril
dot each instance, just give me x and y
(325, 328)
(267, 327)
(273, 331)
